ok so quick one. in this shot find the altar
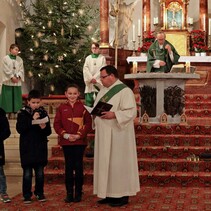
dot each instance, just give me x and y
(182, 59)
(139, 63)
(162, 96)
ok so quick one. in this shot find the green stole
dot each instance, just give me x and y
(114, 90)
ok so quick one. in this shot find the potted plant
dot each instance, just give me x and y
(147, 41)
(198, 44)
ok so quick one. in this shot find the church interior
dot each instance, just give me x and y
(173, 145)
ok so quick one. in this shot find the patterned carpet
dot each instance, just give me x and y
(149, 198)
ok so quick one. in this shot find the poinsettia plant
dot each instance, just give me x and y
(200, 47)
(198, 42)
(147, 41)
(145, 47)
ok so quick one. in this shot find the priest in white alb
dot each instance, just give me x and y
(116, 175)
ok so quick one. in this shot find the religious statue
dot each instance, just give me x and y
(124, 13)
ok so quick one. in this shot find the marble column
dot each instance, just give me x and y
(162, 15)
(146, 16)
(185, 9)
(104, 29)
(203, 11)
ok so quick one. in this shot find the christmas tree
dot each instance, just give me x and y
(55, 40)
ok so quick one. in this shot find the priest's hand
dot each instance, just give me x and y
(108, 115)
(162, 63)
(168, 47)
(93, 81)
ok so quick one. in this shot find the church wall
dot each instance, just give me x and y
(9, 21)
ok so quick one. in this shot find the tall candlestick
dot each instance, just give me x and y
(135, 67)
(209, 26)
(187, 64)
(145, 22)
(156, 20)
(134, 33)
(204, 23)
(139, 27)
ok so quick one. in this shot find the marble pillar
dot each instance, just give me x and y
(146, 17)
(104, 28)
(203, 11)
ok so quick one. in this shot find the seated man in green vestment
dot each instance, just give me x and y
(161, 55)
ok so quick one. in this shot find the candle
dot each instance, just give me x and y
(134, 33)
(135, 67)
(187, 67)
(156, 20)
(204, 23)
(191, 21)
(209, 26)
(139, 27)
(145, 22)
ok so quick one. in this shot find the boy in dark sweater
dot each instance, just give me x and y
(33, 145)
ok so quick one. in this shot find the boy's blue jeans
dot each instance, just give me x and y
(3, 184)
(27, 180)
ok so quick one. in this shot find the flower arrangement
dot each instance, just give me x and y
(200, 47)
(198, 43)
(144, 48)
(147, 41)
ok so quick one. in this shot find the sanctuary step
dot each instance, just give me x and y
(198, 105)
(163, 150)
(163, 156)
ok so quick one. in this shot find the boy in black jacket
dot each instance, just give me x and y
(33, 145)
(4, 134)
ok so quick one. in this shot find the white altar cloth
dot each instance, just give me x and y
(181, 59)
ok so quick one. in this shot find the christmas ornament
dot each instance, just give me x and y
(60, 58)
(49, 24)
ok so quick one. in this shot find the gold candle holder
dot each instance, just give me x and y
(134, 48)
(139, 41)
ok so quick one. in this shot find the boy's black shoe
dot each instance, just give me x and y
(27, 200)
(118, 202)
(69, 198)
(41, 198)
(77, 198)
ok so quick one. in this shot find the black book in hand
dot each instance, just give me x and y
(99, 108)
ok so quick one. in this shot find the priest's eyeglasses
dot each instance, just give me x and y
(104, 76)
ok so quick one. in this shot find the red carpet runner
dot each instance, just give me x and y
(149, 198)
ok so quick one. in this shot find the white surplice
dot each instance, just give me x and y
(115, 154)
(91, 70)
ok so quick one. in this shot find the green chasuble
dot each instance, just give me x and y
(155, 53)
